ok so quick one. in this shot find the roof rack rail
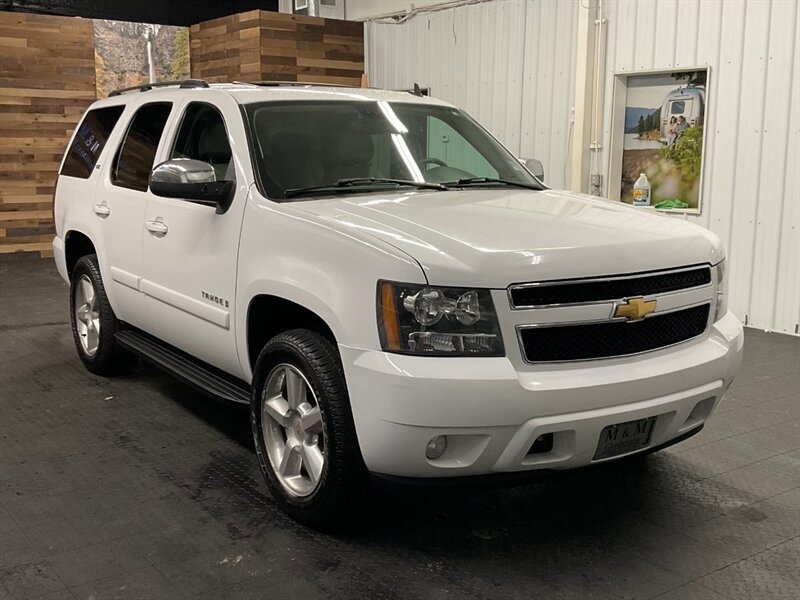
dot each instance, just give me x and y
(418, 91)
(294, 84)
(146, 87)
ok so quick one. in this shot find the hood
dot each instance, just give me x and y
(493, 238)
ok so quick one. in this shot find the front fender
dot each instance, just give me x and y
(302, 258)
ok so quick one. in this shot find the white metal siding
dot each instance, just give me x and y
(358, 10)
(509, 63)
(751, 197)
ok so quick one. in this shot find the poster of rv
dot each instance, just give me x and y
(663, 138)
(127, 54)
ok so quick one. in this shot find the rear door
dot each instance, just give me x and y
(190, 253)
(119, 207)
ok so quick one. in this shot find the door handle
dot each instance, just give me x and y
(102, 210)
(157, 228)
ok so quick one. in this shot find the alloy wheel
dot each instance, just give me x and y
(291, 424)
(87, 315)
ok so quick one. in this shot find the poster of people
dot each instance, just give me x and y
(664, 119)
(127, 54)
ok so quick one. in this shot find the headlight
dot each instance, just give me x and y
(722, 291)
(418, 319)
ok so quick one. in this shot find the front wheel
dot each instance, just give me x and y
(303, 428)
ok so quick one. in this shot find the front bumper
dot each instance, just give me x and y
(492, 413)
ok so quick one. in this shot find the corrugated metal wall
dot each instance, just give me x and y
(511, 64)
(751, 193)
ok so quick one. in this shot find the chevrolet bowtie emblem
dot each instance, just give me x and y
(634, 309)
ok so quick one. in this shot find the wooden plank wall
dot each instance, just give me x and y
(46, 82)
(262, 45)
(47, 79)
(226, 49)
(302, 48)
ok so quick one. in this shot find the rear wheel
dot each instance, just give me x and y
(303, 428)
(94, 322)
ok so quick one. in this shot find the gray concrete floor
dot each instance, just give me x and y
(135, 487)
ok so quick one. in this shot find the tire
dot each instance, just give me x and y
(94, 322)
(323, 497)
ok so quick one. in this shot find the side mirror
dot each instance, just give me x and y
(192, 180)
(534, 166)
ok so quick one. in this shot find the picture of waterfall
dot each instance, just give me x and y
(127, 53)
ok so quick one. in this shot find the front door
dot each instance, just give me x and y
(190, 252)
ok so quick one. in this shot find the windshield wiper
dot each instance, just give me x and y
(479, 180)
(343, 185)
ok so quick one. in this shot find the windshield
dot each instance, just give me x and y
(300, 145)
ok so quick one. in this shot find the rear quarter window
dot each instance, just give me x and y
(90, 139)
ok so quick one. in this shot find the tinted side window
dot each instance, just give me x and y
(90, 140)
(138, 151)
(202, 136)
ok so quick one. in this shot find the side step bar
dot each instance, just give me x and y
(203, 377)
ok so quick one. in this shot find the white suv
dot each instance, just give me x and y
(385, 284)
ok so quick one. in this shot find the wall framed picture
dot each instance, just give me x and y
(658, 129)
(128, 53)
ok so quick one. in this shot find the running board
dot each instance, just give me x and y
(203, 377)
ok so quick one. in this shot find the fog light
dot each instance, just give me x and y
(436, 447)
(542, 444)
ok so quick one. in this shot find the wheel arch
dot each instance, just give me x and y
(76, 245)
(268, 315)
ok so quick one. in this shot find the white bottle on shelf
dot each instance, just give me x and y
(641, 191)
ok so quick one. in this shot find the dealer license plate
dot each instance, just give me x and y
(623, 438)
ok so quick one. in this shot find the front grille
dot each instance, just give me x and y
(613, 338)
(598, 290)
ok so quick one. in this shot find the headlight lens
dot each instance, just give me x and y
(722, 291)
(417, 319)
(426, 305)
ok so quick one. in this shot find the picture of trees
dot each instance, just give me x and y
(649, 123)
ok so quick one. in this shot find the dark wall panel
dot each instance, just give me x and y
(172, 12)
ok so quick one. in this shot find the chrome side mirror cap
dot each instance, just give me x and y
(534, 166)
(193, 181)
